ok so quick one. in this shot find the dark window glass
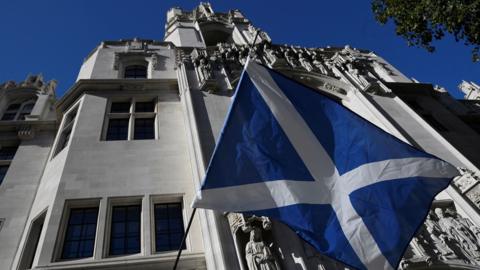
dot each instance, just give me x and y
(169, 228)
(136, 72)
(3, 172)
(145, 106)
(11, 112)
(120, 107)
(65, 139)
(117, 129)
(434, 122)
(8, 152)
(14, 107)
(144, 129)
(125, 231)
(8, 116)
(26, 110)
(70, 117)
(80, 234)
(414, 105)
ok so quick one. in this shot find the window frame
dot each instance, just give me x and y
(122, 201)
(19, 111)
(166, 199)
(135, 68)
(68, 124)
(62, 231)
(7, 162)
(131, 115)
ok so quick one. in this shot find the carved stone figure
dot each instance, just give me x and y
(257, 254)
(204, 68)
(271, 55)
(155, 61)
(318, 63)
(474, 195)
(305, 61)
(357, 74)
(460, 232)
(440, 239)
(466, 180)
(289, 55)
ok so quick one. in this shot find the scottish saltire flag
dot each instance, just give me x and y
(351, 190)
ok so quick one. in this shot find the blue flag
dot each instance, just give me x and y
(351, 190)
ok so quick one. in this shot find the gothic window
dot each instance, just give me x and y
(135, 72)
(80, 233)
(131, 120)
(18, 110)
(125, 230)
(169, 228)
(66, 129)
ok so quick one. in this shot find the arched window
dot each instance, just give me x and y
(136, 72)
(18, 110)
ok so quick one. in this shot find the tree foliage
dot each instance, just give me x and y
(422, 21)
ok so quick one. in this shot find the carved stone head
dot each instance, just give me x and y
(439, 212)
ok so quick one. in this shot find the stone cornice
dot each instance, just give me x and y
(90, 85)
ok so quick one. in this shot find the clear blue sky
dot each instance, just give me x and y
(53, 36)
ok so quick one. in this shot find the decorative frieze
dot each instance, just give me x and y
(446, 238)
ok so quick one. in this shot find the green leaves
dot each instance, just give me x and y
(421, 22)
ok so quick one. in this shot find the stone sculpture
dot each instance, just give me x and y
(257, 254)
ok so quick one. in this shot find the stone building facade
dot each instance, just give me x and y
(104, 176)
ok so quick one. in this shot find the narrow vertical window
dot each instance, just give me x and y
(169, 228)
(125, 230)
(3, 172)
(80, 233)
(66, 130)
(31, 244)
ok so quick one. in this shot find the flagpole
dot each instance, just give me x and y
(180, 249)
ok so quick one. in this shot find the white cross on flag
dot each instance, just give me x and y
(351, 190)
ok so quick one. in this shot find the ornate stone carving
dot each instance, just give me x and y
(474, 195)
(459, 229)
(155, 61)
(470, 89)
(466, 180)
(445, 238)
(8, 85)
(254, 251)
(204, 70)
(137, 44)
(26, 132)
(257, 253)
